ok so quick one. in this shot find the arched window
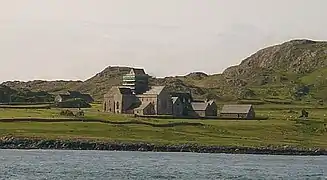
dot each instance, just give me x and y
(105, 106)
(117, 105)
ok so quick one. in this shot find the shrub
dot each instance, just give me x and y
(66, 113)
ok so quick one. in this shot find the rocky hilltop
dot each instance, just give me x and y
(296, 56)
(294, 70)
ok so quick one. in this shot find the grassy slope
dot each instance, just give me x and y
(272, 72)
(281, 129)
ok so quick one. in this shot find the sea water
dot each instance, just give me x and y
(62, 164)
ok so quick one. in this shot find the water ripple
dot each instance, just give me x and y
(61, 164)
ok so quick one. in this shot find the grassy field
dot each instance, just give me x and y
(282, 128)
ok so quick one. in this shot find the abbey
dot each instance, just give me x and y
(135, 96)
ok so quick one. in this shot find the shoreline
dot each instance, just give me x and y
(30, 143)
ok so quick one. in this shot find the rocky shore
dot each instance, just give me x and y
(24, 143)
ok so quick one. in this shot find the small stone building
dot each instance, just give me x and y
(237, 112)
(74, 95)
(120, 100)
(159, 97)
(186, 99)
(203, 109)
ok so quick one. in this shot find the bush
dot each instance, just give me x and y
(71, 113)
(66, 113)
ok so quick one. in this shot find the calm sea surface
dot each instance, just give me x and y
(48, 164)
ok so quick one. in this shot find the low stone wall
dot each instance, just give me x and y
(23, 143)
(199, 118)
(81, 120)
(25, 107)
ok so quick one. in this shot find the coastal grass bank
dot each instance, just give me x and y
(282, 129)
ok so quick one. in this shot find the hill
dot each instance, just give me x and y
(294, 70)
(9, 95)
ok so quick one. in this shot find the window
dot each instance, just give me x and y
(117, 105)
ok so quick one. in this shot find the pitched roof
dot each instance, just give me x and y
(182, 95)
(199, 106)
(76, 94)
(118, 89)
(134, 105)
(64, 96)
(154, 90)
(143, 106)
(138, 71)
(174, 99)
(87, 97)
(210, 102)
(234, 109)
(124, 90)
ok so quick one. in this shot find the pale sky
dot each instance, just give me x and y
(75, 39)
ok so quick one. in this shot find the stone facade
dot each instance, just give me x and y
(186, 100)
(119, 100)
(203, 109)
(178, 107)
(160, 98)
(137, 97)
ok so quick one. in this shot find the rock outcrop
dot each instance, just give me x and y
(23, 143)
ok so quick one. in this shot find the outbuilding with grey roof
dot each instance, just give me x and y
(242, 111)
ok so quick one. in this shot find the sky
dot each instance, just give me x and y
(75, 39)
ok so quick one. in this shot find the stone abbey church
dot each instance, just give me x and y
(135, 96)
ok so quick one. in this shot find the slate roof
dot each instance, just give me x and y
(154, 90)
(87, 97)
(138, 71)
(174, 99)
(64, 96)
(182, 95)
(124, 90)
(199, 106)
(76, 94)
(236, 109)
(143, 106)
(210, 102)
(118, 89)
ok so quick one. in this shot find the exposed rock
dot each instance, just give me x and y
(16, 143)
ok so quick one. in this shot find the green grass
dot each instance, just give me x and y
(282, 128)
